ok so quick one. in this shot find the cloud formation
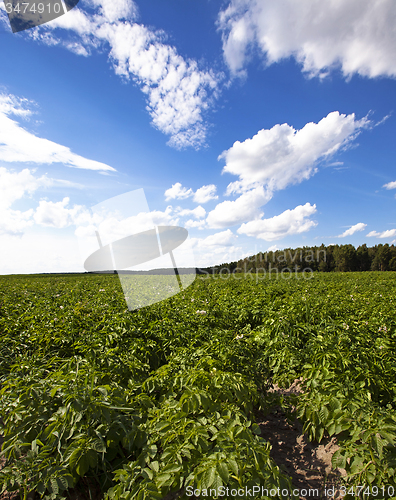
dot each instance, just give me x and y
(201, 195)
(224, 238)
(177, 91)
(390, 185)
(289, 222)
(282, 155)
(19, 145)
(178, 192)
(198, 212)
(358, 36)
(15, 186)
(385, 234)
(205, 194)
(246, 207)
(218, 247)
(57, 214)
(360, 226)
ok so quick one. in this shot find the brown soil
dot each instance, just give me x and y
(308, 464)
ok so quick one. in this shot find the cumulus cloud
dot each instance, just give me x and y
(177, 91)
(218, 247)
(205, 194)
(390, 185)
(15, 222)
(198, 224)
(281, 156)
(289, 222)
(360, 226)
(201, 195)
(198, 212)
(177, 192)
(385, 234)
(224, 238)
(58, 214)
(19, 145)
(15, 186)
(358, 36)
(244, 208)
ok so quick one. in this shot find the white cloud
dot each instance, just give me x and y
(177, 91)
(198, 212)
(289, 222)
(15, 222)
(201, 195)
(199, 224)
(112, 226)
(356, 35)
(177, 192)
(76, 20)
(390, 185)
(216, 248)
(360, 226)
(281, 156)
(246, 207)
(15, 186)
(57, 215)
(114, 10)
(224, 238)
(385, 234)
(273, 248)
(205, 194)
(4, 21)
(19, 145)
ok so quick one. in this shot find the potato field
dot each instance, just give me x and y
(166, 402)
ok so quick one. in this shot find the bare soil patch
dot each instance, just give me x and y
(308, 464)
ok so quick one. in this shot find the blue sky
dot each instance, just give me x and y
(254, 124)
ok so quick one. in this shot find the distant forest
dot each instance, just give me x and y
(326, 259)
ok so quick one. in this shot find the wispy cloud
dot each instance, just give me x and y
(389, 233)
(178, 92)
(360, 226)
(19, 145)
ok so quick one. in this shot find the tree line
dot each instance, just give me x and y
(332, 258)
